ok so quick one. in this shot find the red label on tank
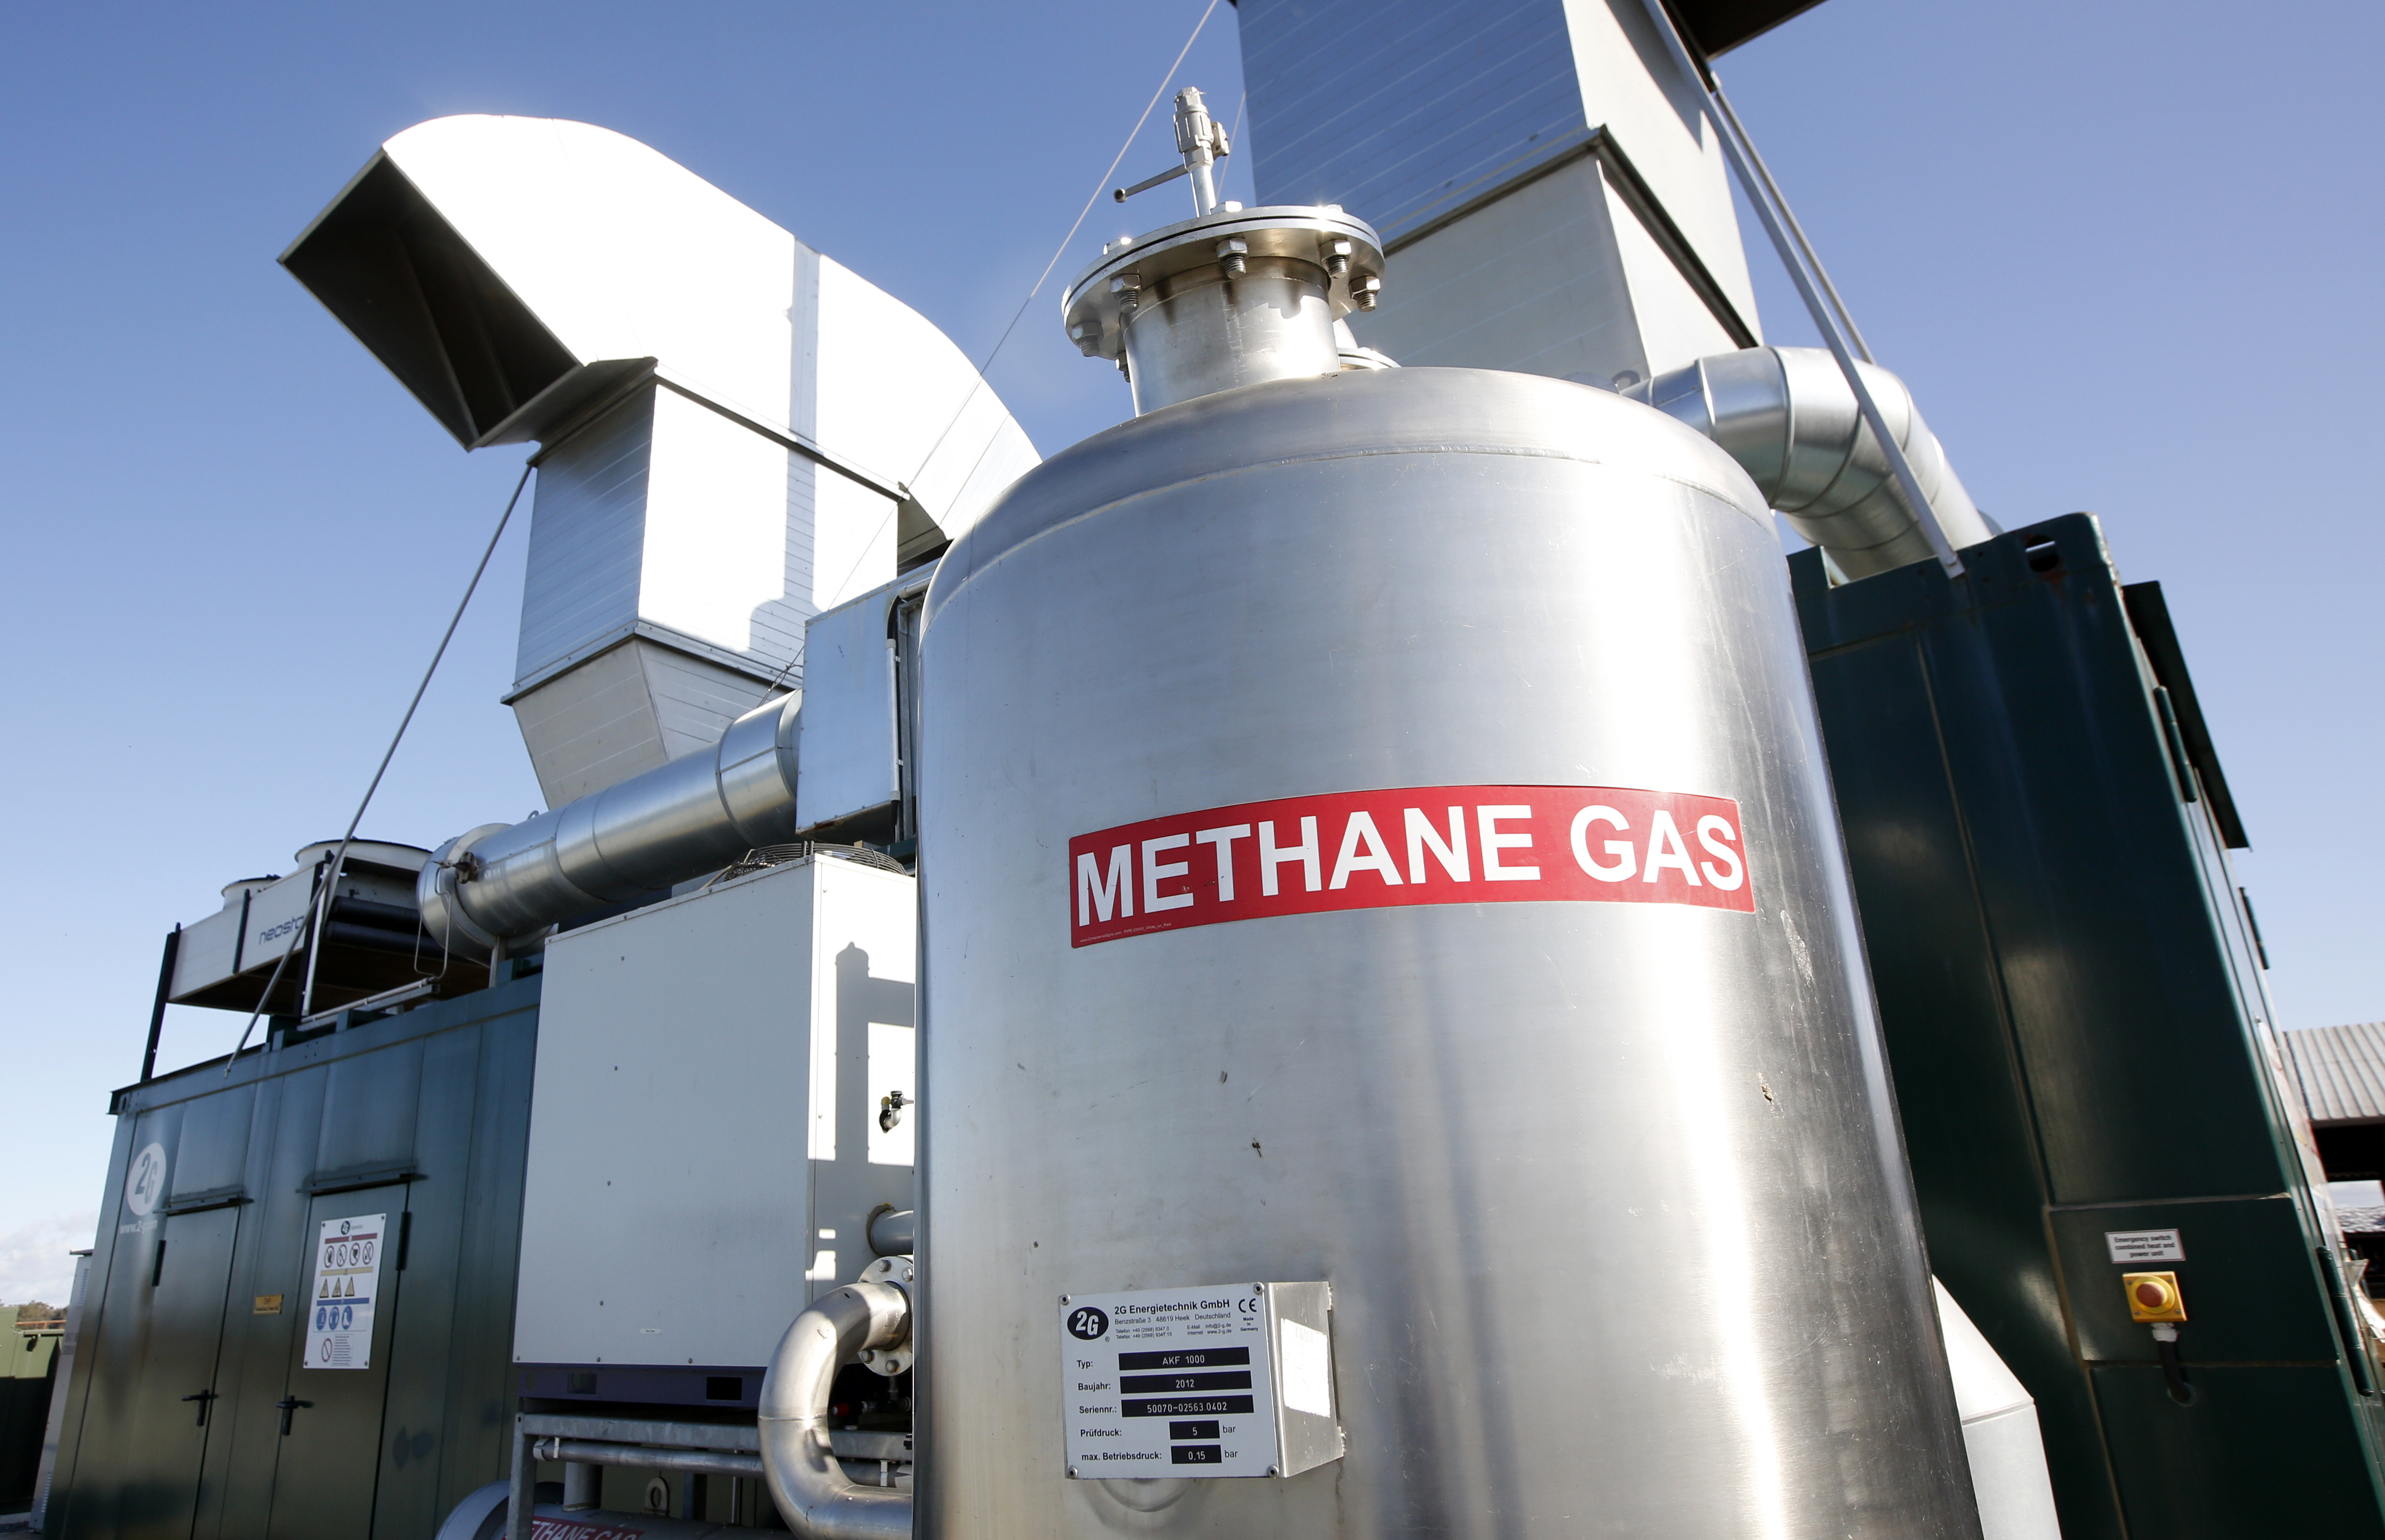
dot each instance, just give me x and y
(1423, 844)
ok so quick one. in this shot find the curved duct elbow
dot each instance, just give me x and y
(813, 1493)
(693, 815)
(1789, 418)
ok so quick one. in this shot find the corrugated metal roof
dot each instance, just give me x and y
(2342, 1070)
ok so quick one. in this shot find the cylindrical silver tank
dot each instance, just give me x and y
(1610, 1195)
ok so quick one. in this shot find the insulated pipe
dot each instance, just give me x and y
(697, 813)
(582, 1454)
(893, 1232)
(812, 1492)
(1789, 418)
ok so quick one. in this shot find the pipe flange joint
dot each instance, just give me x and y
(898, 1358)
(1104, 298)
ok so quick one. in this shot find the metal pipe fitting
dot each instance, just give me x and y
(893, 1232)
(1232, 297)
(592, 1455)
(812, 1492)
(1789, 418)
(693, 815)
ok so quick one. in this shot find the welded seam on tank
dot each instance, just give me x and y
(1507, 451)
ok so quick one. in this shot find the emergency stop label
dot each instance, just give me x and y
(1424, 844)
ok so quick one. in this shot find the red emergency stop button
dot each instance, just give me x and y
(2153, 1296)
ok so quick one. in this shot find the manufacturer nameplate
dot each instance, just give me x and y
(1229, 1380)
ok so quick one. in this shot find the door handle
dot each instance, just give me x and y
(289, 1404)
(203, 1397)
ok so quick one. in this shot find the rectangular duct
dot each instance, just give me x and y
(1550, 196)
(737, 431)
(676, 554)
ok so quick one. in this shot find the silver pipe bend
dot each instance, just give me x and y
(1789, 418)
(812, 1492)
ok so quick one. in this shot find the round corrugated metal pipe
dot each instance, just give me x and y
(697, 813)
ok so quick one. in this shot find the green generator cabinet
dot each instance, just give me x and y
(2069, 982)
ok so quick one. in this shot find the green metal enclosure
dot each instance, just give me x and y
(191, 1411)
(28, 1367)
(2069, 982)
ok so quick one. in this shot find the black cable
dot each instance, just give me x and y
(407, 720)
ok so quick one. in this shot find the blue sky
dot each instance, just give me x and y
(2125, 254)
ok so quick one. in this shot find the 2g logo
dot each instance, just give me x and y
(1087, 1324)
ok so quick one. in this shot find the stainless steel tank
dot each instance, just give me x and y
(1603, 1171)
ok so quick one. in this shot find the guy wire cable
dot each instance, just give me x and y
(1165, 80)
(324, 907)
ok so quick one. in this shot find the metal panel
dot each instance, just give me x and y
(865, 950)
(1412, 578)
(2079, 1038)
(1534, 281)
(328, 1465)
(671, 1162)
(1717, 25)
(368, 1115)
(276, 922)
(2340, 1071)
(1676, 322)
(591, 726)
(586, 536)
(629, 709)
(1402, 111)
(1549, 191)
(848, 753)
(211, 1152)
(286, 1138)
(717, 529)
(443, 1088)
(141, 1437)
(208, 952)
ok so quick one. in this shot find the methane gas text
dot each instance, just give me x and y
(1430, 844)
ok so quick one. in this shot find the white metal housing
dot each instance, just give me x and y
(704, 1148)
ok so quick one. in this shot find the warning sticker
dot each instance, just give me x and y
(347, 1273)
(1167, 1382)
(1422, 844)
(2144, 1246)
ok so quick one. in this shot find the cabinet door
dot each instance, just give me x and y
(330, 1459)
(152, 1386)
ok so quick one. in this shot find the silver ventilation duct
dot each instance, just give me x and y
(631, 841)
(701, 811)
(738, 433)
(1787, 417)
